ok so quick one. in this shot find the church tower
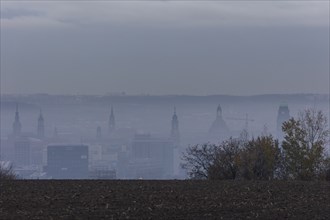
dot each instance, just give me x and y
(41, 126)
(112, 123)
(219, 111)
(219, 127)
(175, 134)
(282, 116)
(17, 127)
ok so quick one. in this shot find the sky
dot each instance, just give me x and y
(164, 47)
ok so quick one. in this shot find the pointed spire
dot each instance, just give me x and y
(112, 122)
(219, 111)
(41, 117)
(17, 127)
(41, 126)
(55, 134)
(283, 115)
(112, 110)
(175, 134)
(16, 113)
(174, 117)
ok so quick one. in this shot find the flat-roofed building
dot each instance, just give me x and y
(67, 161)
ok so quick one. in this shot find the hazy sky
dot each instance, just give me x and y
(165, 47)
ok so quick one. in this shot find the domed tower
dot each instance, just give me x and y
(112, 122)
(282, 116)
(17, 127)
(41, 126)
(175, 134)
(219, 127)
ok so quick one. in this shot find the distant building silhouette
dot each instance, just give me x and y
(41, 126)
(282, 116)
(112, 122)
(67, 161)
(151, 158)
(17, 127)
(98, 132)
(219, 127)
(175, 134)
(22, 151)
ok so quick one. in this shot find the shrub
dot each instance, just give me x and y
(7, 173)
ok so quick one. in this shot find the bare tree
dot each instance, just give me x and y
(7, 173)
(211, 161)
(226, 161)
(198, 159)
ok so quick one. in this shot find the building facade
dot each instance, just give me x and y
(67, 161)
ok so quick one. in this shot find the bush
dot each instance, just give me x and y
(261, 159)
(198, 160)
(301, 157)
(7, 173)
(226, 160)
(258, 159)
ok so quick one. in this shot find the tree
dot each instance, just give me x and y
(258, 158)
(210, 161)
(226, 160)
(303, 145)
(302, 156)
(198, 160)
(7, 173)
(261, 159)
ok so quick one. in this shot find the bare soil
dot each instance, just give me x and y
(119, 199)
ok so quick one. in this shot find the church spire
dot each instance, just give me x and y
(219, 111)
(41, 126)
(112, 122)
(17, 127)
(175, 135)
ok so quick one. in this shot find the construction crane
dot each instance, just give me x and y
(246, 119)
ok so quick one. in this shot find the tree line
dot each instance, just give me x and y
(301, 155)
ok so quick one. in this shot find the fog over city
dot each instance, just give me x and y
(120, 89)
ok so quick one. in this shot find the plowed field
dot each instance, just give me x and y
(111, 199)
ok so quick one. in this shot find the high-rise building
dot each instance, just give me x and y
(22, 152)
(282, 116)
(17, 127)
(67, 161)
(112, 123)
(175, 134)
(41, 126)
(151, 158)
